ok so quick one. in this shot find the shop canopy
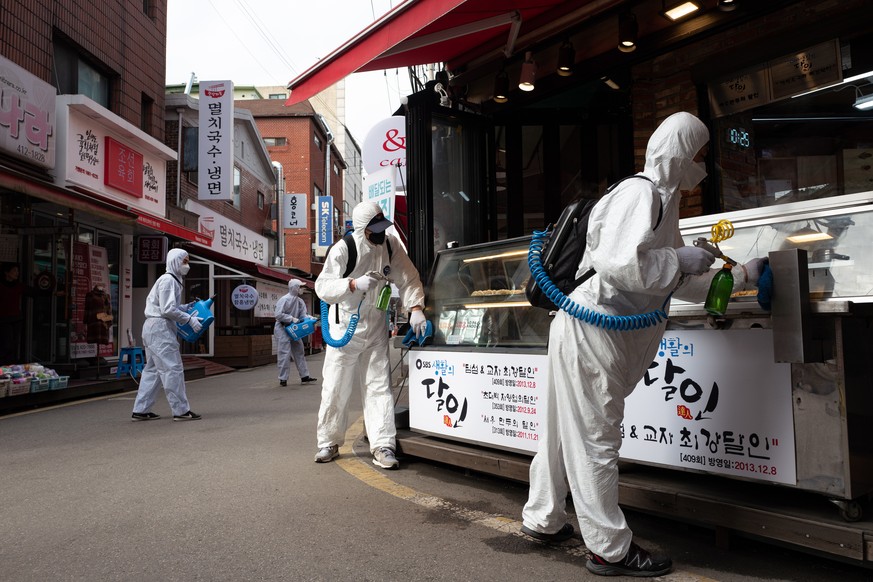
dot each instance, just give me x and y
(247, 268)
(456, 32)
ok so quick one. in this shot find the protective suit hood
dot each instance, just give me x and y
(294, 287)
(671, 149)
(363, 214)
(174, 261)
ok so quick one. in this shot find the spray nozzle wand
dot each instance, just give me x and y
(722, 230)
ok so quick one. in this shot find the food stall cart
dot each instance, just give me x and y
(774, 400)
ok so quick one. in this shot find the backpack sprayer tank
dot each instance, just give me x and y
(203, 310)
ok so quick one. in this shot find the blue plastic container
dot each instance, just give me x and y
(301, 329)
(201, 309)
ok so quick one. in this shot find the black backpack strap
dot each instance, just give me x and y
(390, 250)
(353, 254)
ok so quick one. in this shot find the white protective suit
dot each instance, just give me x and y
(164, 367)
(290, 309)
(593, 370)
(365, 357)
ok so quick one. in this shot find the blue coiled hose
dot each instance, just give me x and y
(325, 326)
(556, 296)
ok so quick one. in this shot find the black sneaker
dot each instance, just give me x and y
(283, 382)
(637, 562)
(144, 416)
(308, 379)
(190, 415)
(563, 534)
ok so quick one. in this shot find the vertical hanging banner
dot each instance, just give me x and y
(324, 216)
(379, 187)
(295, 212)
(384, 146)
(215, 150)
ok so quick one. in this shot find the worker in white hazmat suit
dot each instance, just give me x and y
(290, 309)
(592, 370)
(163, 310)
(365, 357)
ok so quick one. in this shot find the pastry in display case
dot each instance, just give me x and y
(476, 297)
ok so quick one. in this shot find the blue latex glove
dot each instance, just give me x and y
(765, 287)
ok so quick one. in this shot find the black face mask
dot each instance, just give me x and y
(377, 238)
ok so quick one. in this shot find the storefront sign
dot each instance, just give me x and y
(324, 216)
(714, 401)
(215, 150)
(95, 155)
(385, 145)
(800, 72)
(27, 115)
(124, 168)
(151, 249)
(486, 398)
(244, 297)
(268, 298)
(228, 237)
(740, 91)
(379, 188)
(780, 78)
(295, 212)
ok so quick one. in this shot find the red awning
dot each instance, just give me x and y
(17, 182)
(418, 32)
(165, 226)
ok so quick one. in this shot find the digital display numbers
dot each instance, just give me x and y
(738, 137)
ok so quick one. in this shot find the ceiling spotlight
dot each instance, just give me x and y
(528, 73)
(566, 59)
(726, 5)
(501, 87)
(864, 102)
(627, 32)
(610, 83)
(678, 10)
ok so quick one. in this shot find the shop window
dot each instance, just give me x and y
(72, 75)
(237, 181)
(145, 113)
(797, 148)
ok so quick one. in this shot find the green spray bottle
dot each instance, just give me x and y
(720, 291)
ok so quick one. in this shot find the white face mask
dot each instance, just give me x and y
(184, 269)
(694, 175)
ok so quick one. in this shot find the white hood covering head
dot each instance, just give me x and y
(174, 261)
(363, 214)
(672, 148)
(294, 287)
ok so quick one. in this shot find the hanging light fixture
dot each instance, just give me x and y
(678, 10)
(726, 5)
(566, 59)
(627, 32)
(528, 73)
(501, 87)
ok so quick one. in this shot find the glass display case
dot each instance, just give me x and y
(476, 297)
(835, 233)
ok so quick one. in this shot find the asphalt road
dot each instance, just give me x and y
(89, 495)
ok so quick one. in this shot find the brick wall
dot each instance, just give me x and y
(117, 38)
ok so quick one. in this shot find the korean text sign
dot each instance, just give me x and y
(324, 216)
(228, 237)
(379, 188)
(215, 150)
(295, 212)
(714, 402)
(27, 117)
(482, 397)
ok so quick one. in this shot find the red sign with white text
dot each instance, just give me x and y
(123, 168)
